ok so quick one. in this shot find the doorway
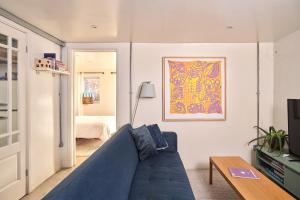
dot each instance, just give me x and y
(94, 100)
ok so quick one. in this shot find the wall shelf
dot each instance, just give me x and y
(53, 71)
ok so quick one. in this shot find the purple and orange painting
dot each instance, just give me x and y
(195, 87)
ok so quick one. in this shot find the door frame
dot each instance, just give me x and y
(67, 117)
(25, 65)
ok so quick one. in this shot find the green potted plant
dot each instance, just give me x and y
(275, 139)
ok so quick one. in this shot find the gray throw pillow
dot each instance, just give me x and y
(144, 142)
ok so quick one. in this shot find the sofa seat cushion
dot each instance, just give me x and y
(162, 177)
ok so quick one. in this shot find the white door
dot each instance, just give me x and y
(12, 113)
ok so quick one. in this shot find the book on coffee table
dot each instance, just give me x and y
(242, 173)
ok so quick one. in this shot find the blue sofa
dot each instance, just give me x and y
(114, 172)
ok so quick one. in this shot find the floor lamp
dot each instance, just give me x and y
(146, 90)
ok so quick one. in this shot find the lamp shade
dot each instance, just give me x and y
(147, 90)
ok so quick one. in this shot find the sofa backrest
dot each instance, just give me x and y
(107, 174)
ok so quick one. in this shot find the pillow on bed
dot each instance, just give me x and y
(158, 137)
(144, 142)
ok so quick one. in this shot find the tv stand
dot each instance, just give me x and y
(283, 170)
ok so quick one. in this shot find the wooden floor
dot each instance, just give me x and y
(199, 180)
(84, 148)
(51, 182)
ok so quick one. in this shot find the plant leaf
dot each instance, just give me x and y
(264, 143)
(287, 139)
(283, 132)
(271, 143)
(261, 137)
(272, 129)
(280, 143)
(264, 131)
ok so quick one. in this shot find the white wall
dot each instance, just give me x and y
(286, 76)
(266, 84)
(107, 104)
(90, 61)
(43, 114)
(42, 111)
(199, 140)
(96, 62)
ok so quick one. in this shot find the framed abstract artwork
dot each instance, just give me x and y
(92, 88)
(194, 88)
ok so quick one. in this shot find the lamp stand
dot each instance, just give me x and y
(136, 104)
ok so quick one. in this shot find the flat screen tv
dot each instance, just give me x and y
(294, 126)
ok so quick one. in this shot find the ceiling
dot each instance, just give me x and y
(160, 20)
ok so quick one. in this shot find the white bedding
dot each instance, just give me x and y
(100, 127)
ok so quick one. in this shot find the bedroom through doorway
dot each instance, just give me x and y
(94, 100)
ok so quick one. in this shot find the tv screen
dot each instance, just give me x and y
(294, 126)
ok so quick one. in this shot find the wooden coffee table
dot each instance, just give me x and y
(250, 189)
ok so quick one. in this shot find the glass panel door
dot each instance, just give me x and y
(14, 78)
(3, 39)
(12, 112)
(9, 127)
(3, 94)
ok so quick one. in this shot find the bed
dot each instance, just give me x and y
(101, 127)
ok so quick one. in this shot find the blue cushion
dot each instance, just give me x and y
(158, 137)
(144, 142)
(171, 138)
(107, 174)
(161, 177)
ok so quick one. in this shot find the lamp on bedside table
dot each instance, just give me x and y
(146, 90)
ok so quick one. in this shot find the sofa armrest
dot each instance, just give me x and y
(171, 138)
